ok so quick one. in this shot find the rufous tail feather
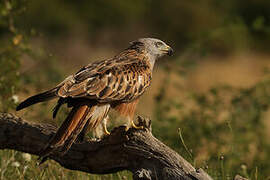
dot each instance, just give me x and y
(68, 132)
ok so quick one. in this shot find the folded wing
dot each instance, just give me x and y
(109, 81)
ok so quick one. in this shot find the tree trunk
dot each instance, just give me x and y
(135, 150)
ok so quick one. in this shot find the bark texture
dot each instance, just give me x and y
(135, 150)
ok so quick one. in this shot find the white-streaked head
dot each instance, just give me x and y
(152, 46)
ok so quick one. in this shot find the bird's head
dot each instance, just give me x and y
(153, 47)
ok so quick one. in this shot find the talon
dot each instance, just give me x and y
(106, 132)
(135, 126)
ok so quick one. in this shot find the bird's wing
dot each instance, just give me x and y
(122, 78)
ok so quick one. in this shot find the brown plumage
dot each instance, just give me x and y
(115, 83)
(127, 109)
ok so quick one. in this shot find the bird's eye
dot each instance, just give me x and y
(158, 44)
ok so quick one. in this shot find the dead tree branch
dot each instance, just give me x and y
(136, 150)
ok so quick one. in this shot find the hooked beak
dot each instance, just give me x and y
(168, 50)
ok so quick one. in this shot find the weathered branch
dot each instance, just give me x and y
(136, 150)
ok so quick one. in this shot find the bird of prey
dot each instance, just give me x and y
(115, 83)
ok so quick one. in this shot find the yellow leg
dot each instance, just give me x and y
(101, 129)
(105, 130)
(104, 125)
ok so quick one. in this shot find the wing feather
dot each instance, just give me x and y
(123, 78)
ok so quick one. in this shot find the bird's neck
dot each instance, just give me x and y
(152, 59)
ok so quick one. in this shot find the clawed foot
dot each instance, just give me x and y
(133, 125)
(106, 132)
(104, 126)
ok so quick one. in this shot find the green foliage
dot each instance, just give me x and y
(12, 47)
(218, 26)
(224, 130)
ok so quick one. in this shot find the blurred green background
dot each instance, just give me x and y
(209, 102)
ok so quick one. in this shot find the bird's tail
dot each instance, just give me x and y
(78, 118)
(45, 96)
